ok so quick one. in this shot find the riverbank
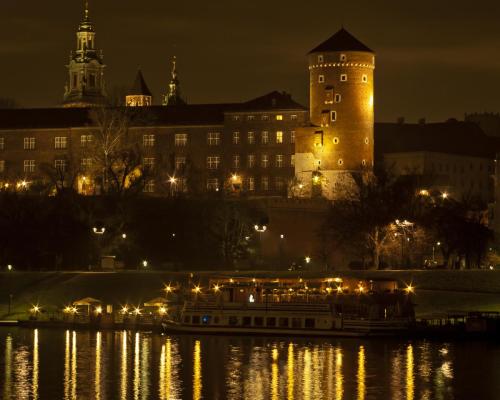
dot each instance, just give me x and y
(436, 291)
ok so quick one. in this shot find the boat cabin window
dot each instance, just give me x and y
(206, 319)
(186, 319)
(233, 320)
(283, 322)
(247, 321)
(310, 323)
(271, 321)
(258, 321)
(196, 319)
(296, 322)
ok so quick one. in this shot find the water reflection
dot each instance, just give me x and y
(83, 365)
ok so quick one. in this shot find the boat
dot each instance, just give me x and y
(317, 307)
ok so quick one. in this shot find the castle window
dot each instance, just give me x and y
(213, 138)
(264, 161)
(293, 117)
(279, 137)
(251, 183)
(236, 161)
(333, 116)
(265, 118)
(341, 162)
(279, 183)
(321, 78)
(86, 164)
(251, 138)
(61, 142)
(29, 143)
(2, 143)
(265, 137)
(86, 140)
(148, 140)
(149, 162)
(2, 166)
(343, 57)
(367, 141)
(320, 58)
(335, 140)
(213, 162)
(29, 165)
(236, 117)
(213, 184)
(363, 163)
(236, 137)
(180, 163)
(251, 160)
(343, 77)
(292, 137)
(364, 78)
(60, 165)
(264, 183)
(250, 118)
(149, 187)
(338, 98)
(292, 160)
(279, 117)
(181, 139)
(279, 160)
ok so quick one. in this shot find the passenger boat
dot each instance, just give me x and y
(316, 307)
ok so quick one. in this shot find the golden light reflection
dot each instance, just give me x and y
(137, 366)
(291, 378)
(7, 390)
(67, 354)
(144, 387)
(35, 366)
(197, 383)
(22, 373)
(97, 379)
(275, 375)
(124, 372)
(73, 366)
(410, 377)
(361, 373)
(339, 377)
(306, 380)
(169, 381)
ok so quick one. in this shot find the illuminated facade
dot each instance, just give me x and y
(85, 87)
(339, 140)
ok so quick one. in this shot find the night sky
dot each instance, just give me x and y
(433, 60)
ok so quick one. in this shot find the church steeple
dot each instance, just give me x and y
(86, 86)
(173, 97)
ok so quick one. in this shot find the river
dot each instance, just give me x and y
(58, 364)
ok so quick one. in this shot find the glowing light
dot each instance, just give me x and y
(197, 289)
(339, 289)
(35, 309)
(124, 235)
(235, 177)
(172, 180)
(260, 229)
(410, 377)
(216, 288)
(9, 267)
(168, 289)
(315, 178)
(124, 310)
(409, 289)
(145, 263)
(301, 186)
(251, 299)
(98, 310)
(308, 259)
(282, 236)
(445, 195)
(197, 383)
(329, 290)
(67, 310)
(361, 373)
(424, 192)
(137, 311)
(162, 310)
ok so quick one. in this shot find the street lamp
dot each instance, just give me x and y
(99, 231)
(173, 182)
(405, 227)
(145, 263)
(260, 229)
(9, 267)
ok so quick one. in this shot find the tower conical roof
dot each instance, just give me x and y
(341, 41)
(140, 88)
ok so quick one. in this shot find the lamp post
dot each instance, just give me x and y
(9, 269)
(434, 251)
(99, 232)
(260, 229)
(405, 227)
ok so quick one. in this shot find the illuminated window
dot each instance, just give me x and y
(364, 78)
(265, 118)
(335, 140)
(363, 163)
(292, 160)
(279, 183)
(180, 163)
(320, 58)
(279, 160)
(61, 142)
(343, 77)
(86, 164)
(264, 161)
(293, 117)
(2, 166)
(29, 165)
(279, 117)
(213, 184)
(236, 161)
(338, 98)
(264, 183)
(343, 57)
(148, 140)
(333, 116)
(236, 117)
(250, 117)
(341, 162)
(213, 138)
(251, 161)
(149, 186)
(292, 137)
(60, 165)
(213, 162)
(181, 139)
(321, 78)
(149, 162)
(2, 143)
(279, 137)
(29, 143)
(236, 137)
(264, 137)
(251, 183)
(251, 137)
(86, 140)
(367, 141)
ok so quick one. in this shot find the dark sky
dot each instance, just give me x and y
(435, 59)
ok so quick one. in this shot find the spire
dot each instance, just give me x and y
(173, 97)
(86, 9)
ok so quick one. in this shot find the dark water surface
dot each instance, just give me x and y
(54, 364)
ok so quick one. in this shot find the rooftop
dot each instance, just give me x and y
(341, 41)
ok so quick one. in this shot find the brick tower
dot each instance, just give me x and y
(339, 141)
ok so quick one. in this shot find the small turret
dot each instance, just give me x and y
(173, 97)
(139, 95)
